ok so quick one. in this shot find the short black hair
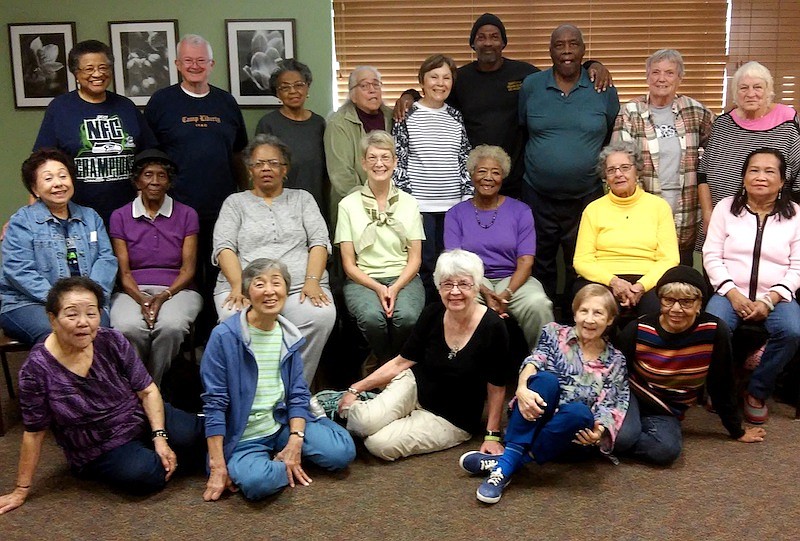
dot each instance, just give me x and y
(37, 158)
(72, 283)
(290, 64)
(88, 47)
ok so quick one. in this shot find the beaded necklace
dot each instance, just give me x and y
(494, 215)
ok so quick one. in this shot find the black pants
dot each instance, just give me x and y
(556, 222)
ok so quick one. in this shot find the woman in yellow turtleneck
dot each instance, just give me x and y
(627, 238)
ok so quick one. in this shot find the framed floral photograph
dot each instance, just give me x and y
(144, 57)
(255, 46)
(39, 61)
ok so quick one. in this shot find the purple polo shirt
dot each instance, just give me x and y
(89, 415)
(154, 246)
(500, 244)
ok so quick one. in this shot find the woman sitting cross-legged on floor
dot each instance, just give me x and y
(671, 355)
(572, 396)
(379, 233)
(256, 400)
(436, 388)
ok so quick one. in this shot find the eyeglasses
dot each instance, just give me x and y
(199, 61)
(386, 158)
(669, 302)
(366, 85)
(89, 70)
(288, 87)
(450, 286)
(271, 164)
(624, 168)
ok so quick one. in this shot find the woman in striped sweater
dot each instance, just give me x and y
(432, 150)
(671, 355)
(755, 122)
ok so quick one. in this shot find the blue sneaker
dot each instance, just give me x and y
(476, 462)
(491, 490)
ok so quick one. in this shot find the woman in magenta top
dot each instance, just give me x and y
(155, 241)
(499, 229)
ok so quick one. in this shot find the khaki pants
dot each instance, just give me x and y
(394, 425)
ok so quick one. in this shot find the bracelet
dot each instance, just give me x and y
(23, 486)
(510, 293)
(312, 277)
(493, 433)
(491, 438)
(169, 293)
(160, 433)
(353, 391)
(766, 299)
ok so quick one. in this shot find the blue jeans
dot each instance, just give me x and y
(650, 438)
(550, 436)
(432, 246)
(385, 335)
(31, 325)
(783, 326)
(257, 475)
(136, 468)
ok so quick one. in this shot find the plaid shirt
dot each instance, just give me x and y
(693, 124)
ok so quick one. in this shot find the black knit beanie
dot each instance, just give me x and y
(488, 18)
(685, 274)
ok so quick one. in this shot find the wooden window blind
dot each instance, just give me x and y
(396, 37)
(767, 31)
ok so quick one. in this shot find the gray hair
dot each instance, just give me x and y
(488, 152)
(598, 291)
(670, 55)
(759, 71)
(266, 139)
(378, 139)
(289, 64)
(195, 39)
(260, 267)
(352, 81)
(458, 262)
(626, 147)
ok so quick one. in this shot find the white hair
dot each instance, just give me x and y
(194, 39)
(458, 262)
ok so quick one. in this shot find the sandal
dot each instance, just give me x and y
(756, 415)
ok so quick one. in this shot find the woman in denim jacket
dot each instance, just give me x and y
(49, 239)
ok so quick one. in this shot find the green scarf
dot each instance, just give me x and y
(378, 218)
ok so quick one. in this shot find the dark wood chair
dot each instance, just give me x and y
(8, 345)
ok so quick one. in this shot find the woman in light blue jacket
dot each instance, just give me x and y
(49, 239)
(258, 424)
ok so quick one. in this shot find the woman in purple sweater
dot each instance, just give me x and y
(88, 386)
(752, 257)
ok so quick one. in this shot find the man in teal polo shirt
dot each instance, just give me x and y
(568, 123)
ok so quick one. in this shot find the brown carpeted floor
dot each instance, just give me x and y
(719, 489)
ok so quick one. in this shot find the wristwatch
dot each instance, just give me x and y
(299, 433)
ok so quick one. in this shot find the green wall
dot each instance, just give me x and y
(18, 127)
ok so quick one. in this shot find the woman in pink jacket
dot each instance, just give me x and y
(752, 257)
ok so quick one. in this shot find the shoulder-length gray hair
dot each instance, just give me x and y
(626, 147)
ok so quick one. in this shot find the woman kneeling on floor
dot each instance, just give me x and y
(571, 398)
(671, 355)
(258, 424)
(436, 388)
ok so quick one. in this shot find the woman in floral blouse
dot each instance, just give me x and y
(572, 396)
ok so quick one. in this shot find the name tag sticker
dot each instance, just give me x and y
(93, 236)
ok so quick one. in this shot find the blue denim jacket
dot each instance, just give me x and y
(35, 253)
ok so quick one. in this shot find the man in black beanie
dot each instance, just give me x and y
(486, 92)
